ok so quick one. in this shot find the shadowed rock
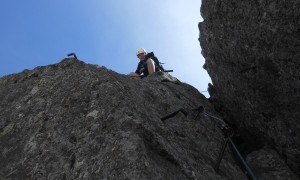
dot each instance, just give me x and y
(252, 51)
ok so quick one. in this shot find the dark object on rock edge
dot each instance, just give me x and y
(72, 54)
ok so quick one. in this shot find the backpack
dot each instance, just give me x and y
(158, 65)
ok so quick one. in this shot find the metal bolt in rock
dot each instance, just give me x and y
(72, 54)
(227, 131)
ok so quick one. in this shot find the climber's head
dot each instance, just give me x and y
(141, 53)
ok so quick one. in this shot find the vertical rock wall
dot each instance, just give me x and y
(252, 53)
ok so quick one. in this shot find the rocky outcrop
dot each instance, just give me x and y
(78, 121)
(252, 53)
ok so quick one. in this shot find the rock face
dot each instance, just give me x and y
(78, 121)
(252, 53)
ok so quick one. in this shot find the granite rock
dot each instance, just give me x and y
(252, 52)
(74, 120)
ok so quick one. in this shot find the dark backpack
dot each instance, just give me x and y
(158, 65)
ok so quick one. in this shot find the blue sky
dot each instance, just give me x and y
(104, 32)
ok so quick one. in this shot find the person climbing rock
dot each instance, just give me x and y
(146, 65)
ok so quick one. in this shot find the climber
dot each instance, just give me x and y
(146, 65)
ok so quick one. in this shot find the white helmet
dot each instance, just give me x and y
(141, 50)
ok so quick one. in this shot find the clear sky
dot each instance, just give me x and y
(104, 32)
